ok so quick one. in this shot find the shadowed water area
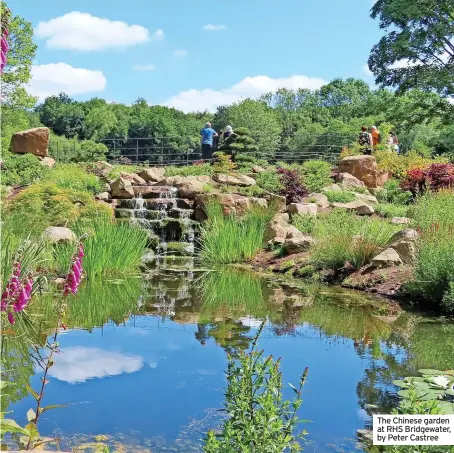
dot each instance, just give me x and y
(141, 366)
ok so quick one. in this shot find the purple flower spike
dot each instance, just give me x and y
(11, 318)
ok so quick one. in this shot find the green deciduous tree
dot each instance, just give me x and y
(418, 48)
(258, 117)
(17, 71)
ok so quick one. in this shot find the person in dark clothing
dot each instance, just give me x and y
(207, 134)
(228, 132)
(365, 141)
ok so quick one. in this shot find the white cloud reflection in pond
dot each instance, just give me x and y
(77, 364)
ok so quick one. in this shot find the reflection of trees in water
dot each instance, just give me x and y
(231, 335)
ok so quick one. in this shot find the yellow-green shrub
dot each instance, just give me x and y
(46, 204)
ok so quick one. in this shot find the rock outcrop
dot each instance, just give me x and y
(363, 168)
(135, 179)
(319, 199)
(387, 258)
(54, 235)
(234, 180)
(122, 188)
(302, 208)
(188, 186)
(34, 141)
(348, 181)
(152, 174)
(358, 207)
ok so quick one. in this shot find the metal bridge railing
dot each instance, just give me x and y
(158, 151)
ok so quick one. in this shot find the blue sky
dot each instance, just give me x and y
(162, 51)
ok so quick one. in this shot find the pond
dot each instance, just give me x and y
(141, 366)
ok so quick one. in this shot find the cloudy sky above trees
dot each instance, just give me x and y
(197, 54)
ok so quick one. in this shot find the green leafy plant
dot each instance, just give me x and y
(392, 193)
(433, 385)
(223, 163)
(259, 419)
(269, 180)
(21, 169)
(189, 170)
(391, 210)
(304, 222)
(73, 176)
(339, 197)
(316, 174)
(344, 238)
(45, 204)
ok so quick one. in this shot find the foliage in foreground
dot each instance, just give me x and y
(46, 204)
(21, 169)
(343, 237)
(111, 247)
(233, 239)
(433, 215)
(259, 419)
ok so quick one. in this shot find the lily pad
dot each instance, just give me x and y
(431, 372)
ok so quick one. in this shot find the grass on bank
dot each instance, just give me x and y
(233, 239)
(390, 210)
(433, 216)
(111, 247)
(342, 237)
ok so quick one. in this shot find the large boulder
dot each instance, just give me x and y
(135, 179)
(153, 174)
(47, 162)
(302, 208)
(234, 180)
(367, 198)
(34, 141)
(258, 169)
(348, 181)
(122, 188)
(358, 207)
(104, 196)
(230, 203)
(54, 235)
(319, 199)
(404, 243)
(188, 186)
(363, 168)
(297, 243)
(277, 201)
(400, 220)
(387, 258)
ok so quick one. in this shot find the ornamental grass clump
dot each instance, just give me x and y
(228, 238)
(112, 247)
(433, 275)
(343, 238)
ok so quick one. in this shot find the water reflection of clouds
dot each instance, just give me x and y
(249, 321)
(77, 364)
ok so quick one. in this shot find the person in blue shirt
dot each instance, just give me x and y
(207, 134)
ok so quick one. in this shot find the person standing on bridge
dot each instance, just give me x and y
(207, 134)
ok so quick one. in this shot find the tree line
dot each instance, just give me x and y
(415, 77)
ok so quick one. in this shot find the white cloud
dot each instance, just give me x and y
(180, 53)
(158, 35)
(82, 31)
(211, 27)
(78, 364)
(53, 78)
(250, 87)
(144, 67)
(401, 64)
(367, 71)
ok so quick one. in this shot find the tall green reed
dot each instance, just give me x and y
(227, 239)
(111, 247)
(343, 237)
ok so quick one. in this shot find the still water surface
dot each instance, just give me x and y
(142, 364)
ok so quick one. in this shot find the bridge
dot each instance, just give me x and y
(177, 151)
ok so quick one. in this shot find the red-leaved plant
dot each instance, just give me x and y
(293, 190)
(434, 177)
